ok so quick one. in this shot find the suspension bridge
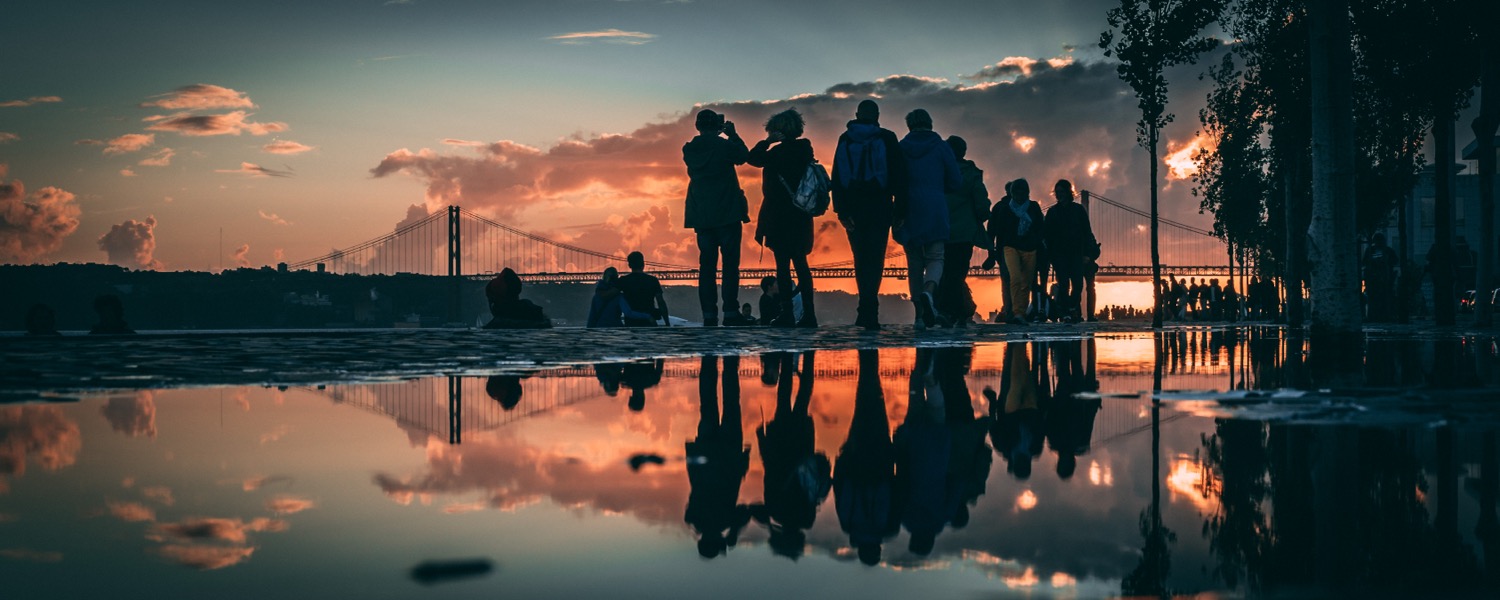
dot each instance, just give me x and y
(458, 242)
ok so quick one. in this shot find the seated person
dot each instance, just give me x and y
(41, 321)
(608, 307)
(643, 292)
(770, 301)
(507, 307)
(111, 316)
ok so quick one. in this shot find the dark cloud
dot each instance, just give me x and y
(232, 123)
(132, 244)
(213, 528)
(255, 170)
(32, 226)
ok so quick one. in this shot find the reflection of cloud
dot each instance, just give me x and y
(131, 511)
(206, 557)
(30, 555)
(200, 96)
(159, 493)
(255, 170)
(32, 226)
(275, 434)
(40, 434)
(287, 505)
(233, 123)
(133, 416)
(214, 528)
(610, 36)
(132, 243)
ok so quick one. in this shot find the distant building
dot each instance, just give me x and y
(281, 267)
(1419, 215)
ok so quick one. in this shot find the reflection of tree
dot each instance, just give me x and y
(1239, 530)
(1149, 578)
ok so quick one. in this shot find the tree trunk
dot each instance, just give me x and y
(1441, 261)
(1155, 251)
(1484, 127)
(1332, 239)
(1296, 238)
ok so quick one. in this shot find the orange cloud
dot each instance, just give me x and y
(286, 505)
(1181, 158)
(131, 511)
(162, 158)
(7, 137)
(286, 147)
(29, 101)
(610, 36)
(273, 217)
(36, 434)
(255, 170)
(213, 528)
(129, 142)
(200, 96)
(32, 226)
(134, 416)
(160, 494)
(232, 123)
(240, 255)
(206, 557)
(132, 244)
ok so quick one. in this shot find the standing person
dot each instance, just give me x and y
(1016, 228)
(642, 292)
(922, 225)
(716, 207)
(868, 172)
(968, 208)
(1069, 239)
(1380, 278)
(783, 157)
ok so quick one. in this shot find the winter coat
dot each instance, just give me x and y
(781, 226)
(969, 208)
(1003, 227)
(860, 189)
(931, 172)
(714, 197)
(1069, 234)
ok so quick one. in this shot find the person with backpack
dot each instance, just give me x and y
(968, 208)
(1016, 228)
(715, 209)
(868, 172)
(921, 225)
(784, 157)
(1070, 240)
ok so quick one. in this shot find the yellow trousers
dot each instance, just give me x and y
(1022, 267)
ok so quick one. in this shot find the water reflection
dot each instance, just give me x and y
(1051, 466)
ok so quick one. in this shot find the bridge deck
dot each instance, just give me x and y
(752, 275)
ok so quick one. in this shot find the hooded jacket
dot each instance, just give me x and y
(969, 208)
(714, 197)
(931, 172)
(860, 189)
(780, 225)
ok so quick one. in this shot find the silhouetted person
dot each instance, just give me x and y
(969, 459)
(924, 447)
(747, 313)
(1380, 279)
(111, 316)
(968, 209)
(610, 376)
(1016, 228)
(507, 308)
(640, 376)
(41, 321)
(608, 307)
(643, 293)
(1070, 418)
(865, 471)
(797, 477)
(787, 230)
(716, 208)
(1070, 238)
(922, 222)
(770, 303)
(717, 460)
(1017, 428)
(505, 389)
(868, 173)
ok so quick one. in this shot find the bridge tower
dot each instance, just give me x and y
(455, 266)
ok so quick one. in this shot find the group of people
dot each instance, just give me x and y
(1208, 301)
(919, 190)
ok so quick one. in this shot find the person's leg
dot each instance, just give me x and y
(957, 258)
(729, 248)
(932, 273)
(708, 258)
(951, 280)
(1091, 304)
(1028, 277)
(805, 285)
(784, 284)
(1019, 293)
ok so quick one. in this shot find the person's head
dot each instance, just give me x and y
(768, 284)
(1378, 239)
(868, 110)
(746, 310)
(505, 389)
(1007, 187)
(709, 122)
(610, 274)
(1020, 190)
(869, 553)
(1063, 191)
(1067, 464)
(1019, 465)
(1214, 282)
(919, 120)
(636, 260)
(40, 320)
(711, 545)
(788, 541)
(637, 402)
(787, 122)
(959, 146)
(921, 543)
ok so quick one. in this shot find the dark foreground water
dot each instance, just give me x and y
(1029, 468)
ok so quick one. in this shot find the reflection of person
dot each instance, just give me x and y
(864, 474)
(640, 376)
(111, 316)
(717, 461)
(609, 376)
(923, 449)
(505, 389)
(715, 209)
(1017, 429)
(41, 321)
(969, 460)
(1070, 418)
(507, 308)
(787, 230)
(797, 477)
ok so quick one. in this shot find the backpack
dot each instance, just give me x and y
(864, 166)
(811, 194)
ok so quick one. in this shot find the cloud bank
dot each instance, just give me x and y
(132, 244)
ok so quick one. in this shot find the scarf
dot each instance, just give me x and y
(1023, 216)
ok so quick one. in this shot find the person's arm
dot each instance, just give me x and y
(953, 180)
(981, 202)
(661, 300)
(737, 150)
(759, 156)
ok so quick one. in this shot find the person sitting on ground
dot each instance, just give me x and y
(609, 308)
(770, 301)
(747, 313)
(41, 321)
(507, 308)
(643, 292)
(111, 316)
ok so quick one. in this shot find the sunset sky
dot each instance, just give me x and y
(132, 133)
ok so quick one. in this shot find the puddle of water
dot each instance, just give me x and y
(1048, 468)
